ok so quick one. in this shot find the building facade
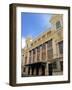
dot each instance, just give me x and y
(44, 54)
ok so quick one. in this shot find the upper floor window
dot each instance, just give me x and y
(38, 49)
(49, 44)
(33, 51)
(61, 47)
(43, 46)
(58, 24)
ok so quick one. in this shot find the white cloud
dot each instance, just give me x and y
(23, 42)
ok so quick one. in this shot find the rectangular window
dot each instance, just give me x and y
(43, 46)
(44, 51)
(61, 47)
(33, 55)
(38, 53)
(24, 69)
(50, 49)
(43, 55)
(58, 25)
(38, 49)
(61, 64)
(49, 44)
(30, 57)
(29, 71)
(54, 65)
(50, 54)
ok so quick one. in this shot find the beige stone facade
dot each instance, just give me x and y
(44, 54)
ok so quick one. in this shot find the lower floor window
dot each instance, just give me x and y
(24, 69)
(54, 65)
(61, 64)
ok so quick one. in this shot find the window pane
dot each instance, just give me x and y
(61, 47)
(49, 43)
(58, 25)
(43, 46)
(50, 54)
(61, 64)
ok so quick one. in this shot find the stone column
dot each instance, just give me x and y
(46, 69)
(40, 53)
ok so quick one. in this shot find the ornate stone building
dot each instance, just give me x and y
(44, 54)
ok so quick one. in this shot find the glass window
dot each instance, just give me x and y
(50, 49)
(38, 49)
(49, 43)
(30, 57)
(50, 54)
(58, 24)
(61, 64)
(61, 47)
(43, 46)
(29, 71)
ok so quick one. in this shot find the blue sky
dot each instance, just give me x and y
(32, 24)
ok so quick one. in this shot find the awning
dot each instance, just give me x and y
(36, 64)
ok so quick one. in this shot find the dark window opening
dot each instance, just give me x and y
(61, 64)
(61, 47)
(38, 49)
(24, 69)
(29, 71)
(43, 70)
(54, 65)
(37, 71)
(32, 71)
(33, 51)
(50, 69)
